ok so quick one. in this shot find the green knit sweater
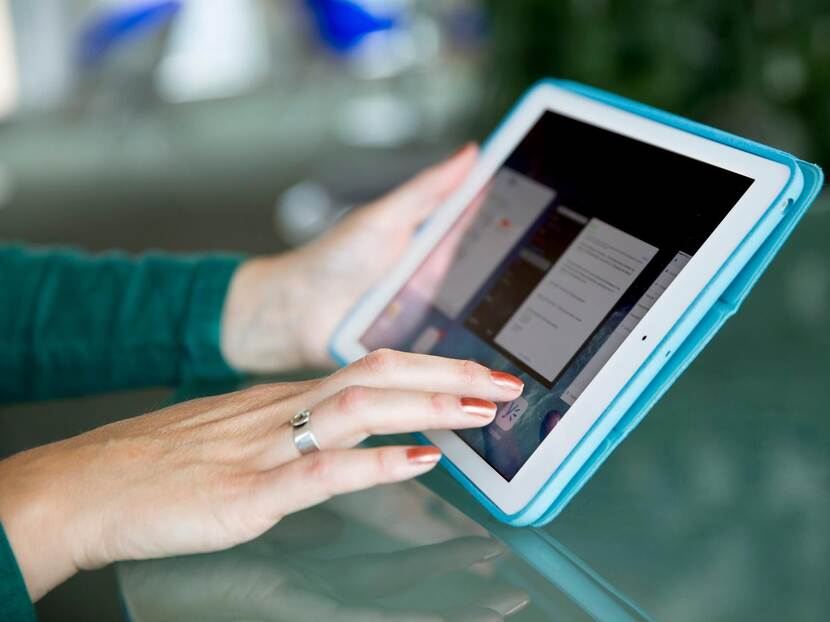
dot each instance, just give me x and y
(76, 324)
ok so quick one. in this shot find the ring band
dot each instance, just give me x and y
(304, 439)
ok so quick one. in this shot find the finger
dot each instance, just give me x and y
(350, 416)
(422, 372)
(355, 413)
(417, 198)
(381, 574)
(317, 477)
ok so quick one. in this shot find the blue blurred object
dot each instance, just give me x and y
(343, 24)
(119, 25)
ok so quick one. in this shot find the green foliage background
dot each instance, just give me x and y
(758, 68)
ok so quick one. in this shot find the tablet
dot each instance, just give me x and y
(578, 242)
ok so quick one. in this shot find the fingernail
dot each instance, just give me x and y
(460, 150)
(423, 455)
(507, 381)
(480, 408)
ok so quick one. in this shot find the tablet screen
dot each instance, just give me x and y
(552, 265)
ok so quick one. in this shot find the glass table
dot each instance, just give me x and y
(716, 508)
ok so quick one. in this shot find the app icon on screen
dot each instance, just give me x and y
(509, 413)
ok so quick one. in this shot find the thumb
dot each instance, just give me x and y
(417, 198)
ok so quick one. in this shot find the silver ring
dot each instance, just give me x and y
(304, 439)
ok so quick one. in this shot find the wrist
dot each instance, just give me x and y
(263, 317)
(37, 519)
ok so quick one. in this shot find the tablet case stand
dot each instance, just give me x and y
(717, 302)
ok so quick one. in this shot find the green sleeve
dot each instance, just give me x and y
(75, 324)
(15, 604)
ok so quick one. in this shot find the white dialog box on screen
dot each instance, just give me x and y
(574, 296)
(625, 328)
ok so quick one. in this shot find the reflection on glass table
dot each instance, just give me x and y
(395, 553)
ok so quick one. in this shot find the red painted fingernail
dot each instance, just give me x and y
(460, 150)
(423, 455)
(475, 406)
(507, 381)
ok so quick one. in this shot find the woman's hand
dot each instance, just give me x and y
(281, 311)
(211, 473)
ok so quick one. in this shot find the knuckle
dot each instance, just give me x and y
(440, 403)
(383, 462)
(471, 372)
(351, 399)
(319, 469)
(381, 361)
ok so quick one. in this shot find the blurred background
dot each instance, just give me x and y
(249, 125)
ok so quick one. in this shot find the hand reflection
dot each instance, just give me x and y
(279, 577)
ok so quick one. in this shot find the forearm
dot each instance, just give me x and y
(72, 323)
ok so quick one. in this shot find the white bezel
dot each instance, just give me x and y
(770, 179)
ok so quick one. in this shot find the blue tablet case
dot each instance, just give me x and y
(717, 302)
